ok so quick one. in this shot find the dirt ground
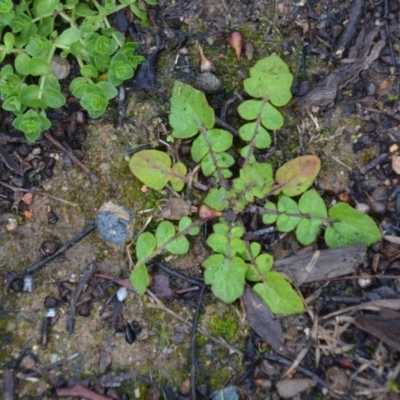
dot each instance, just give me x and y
(347, 130)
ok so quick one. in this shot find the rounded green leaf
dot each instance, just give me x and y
(307, 231)
(31, 124)
(53, 98)
(14, 105)
(297, 175)
(289, 214)
(22, 64)
(279, 295)
(140, 279)
(185, 222)
(43, 7)
(218, 199)
(226, 276)
(253, 130)
(102, 45)
(270, 78)
(165, 231)
(108, 89)
(271, 118)
(311, 203)
(216, 140)
(83, 10)
(224, 160)
(39, 66)
(177, 178)
(29, 95)
(95, 104)
(145, 245)
(263, 264)
(250, 109)
(218, 242)
(8, 41)
(208, 166)
(180, 245)
(68, 36)
(189, 111)
(79, 87)
(88, 71)
(350, 227)
(152, 167)
(38, 47)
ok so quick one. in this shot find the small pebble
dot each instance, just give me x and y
(11, 225)
(28, 283)
(122, 293)
(208, 83)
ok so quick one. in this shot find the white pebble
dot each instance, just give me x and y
(122, 294)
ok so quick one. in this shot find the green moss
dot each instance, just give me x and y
(219, 379)
(226, 326)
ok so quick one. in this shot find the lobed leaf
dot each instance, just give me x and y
(190, 111)
(270, 78)
(152, 167)
(279, 295)
(226, 276)
(289, 217)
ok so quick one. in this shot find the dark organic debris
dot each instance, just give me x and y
(64, 247)
(363, 53)
(385, 325)
(74, 301)
(263, 322)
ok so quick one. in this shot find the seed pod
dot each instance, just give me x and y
(84, 309)
(130, 335)
(52, 217)
(48, 247)
(206, 213)
(136, 327)
(64, 291)
(236, 41)
(51, 302)
(206, 65)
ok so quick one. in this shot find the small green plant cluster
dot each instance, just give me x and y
(34, 31)
(288, 200)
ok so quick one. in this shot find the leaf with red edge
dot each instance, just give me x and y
(297, 175)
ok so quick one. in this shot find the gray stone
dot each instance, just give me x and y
(208, 83)
(115, 223)
(228, 393)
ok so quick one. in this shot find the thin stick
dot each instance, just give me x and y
(80, 391)
(73, 158)
(177, 274)
(193, 345)
(79, 289)
(61, 362)
(61, 250)
(14, 188)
